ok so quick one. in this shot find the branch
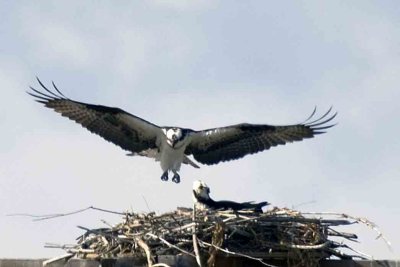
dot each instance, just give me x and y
(237, 254)
(170, 245)
(146, 249)
(56, 215)
(194, 237)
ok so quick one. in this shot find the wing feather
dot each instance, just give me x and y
(113, 124)
(236, 141)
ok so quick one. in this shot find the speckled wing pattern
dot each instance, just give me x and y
(233, 142)
(115, 125)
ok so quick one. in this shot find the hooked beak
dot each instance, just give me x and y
(172, 142)
(206, 189)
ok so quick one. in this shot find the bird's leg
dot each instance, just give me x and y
(164, 176)
(176, 178)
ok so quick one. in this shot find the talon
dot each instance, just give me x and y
(164, 176)
(176, 178)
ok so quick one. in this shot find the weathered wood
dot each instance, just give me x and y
(195, 241)
(278, 234)
(186, 261)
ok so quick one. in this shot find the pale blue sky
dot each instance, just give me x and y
(199, 64)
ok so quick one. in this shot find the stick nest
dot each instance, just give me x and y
(278, 234)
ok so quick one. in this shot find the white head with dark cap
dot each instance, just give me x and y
(200, 190)
(174, 135)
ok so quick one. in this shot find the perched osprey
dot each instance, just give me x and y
(172, 145)
(201, 195)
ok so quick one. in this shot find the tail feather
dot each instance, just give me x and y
(254, 206)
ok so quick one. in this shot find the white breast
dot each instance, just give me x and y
(171, 159)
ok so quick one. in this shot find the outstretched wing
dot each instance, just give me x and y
(233, 142)
(113, 124)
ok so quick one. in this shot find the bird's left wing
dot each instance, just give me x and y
(233, 142)
(113, 124)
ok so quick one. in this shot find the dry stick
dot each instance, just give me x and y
(80, 250)
(48, 216)
(365, 221)
(52, 245)
(58, 258)
(344, 256)
(160, 265)
(170, 245)
(180, 228)
(373, 226)
(146, 249)
(194, 237)
(52, 216)
(348, 236)
(237, 254)
(147, 204)
(108, 211)
(363, 255)
(307, 247)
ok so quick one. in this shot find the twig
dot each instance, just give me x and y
(48, 216)
(171, 245)
(180, 228)
(194, 237)
(373, 226)
(147, 204)
(59, 258)
(363, 255)
(108, 211)
(51, 245)
(52, 216)
(146, 249)
(237, 254)
(364, 221)
(307, 247)
(80, 250)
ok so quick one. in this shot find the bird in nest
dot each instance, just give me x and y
(202, 199)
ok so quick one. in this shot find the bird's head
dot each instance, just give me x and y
(174, 136)
(200, 190)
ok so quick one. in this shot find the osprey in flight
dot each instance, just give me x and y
(172, 145)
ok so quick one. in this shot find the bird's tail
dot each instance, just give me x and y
(187, 160)
(257, 207)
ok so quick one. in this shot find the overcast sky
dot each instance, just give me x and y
(199, 64)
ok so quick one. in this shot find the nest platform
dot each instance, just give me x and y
(277, 234)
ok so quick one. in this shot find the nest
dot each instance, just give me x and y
(278, 234)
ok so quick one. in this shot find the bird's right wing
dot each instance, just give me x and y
(113, 124)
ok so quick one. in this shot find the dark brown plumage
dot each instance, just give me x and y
(233, 142)
(172, 145)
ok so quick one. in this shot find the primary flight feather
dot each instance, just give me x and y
(172, 145)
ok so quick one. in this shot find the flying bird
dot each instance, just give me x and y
(201, 195)
(172, 145)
